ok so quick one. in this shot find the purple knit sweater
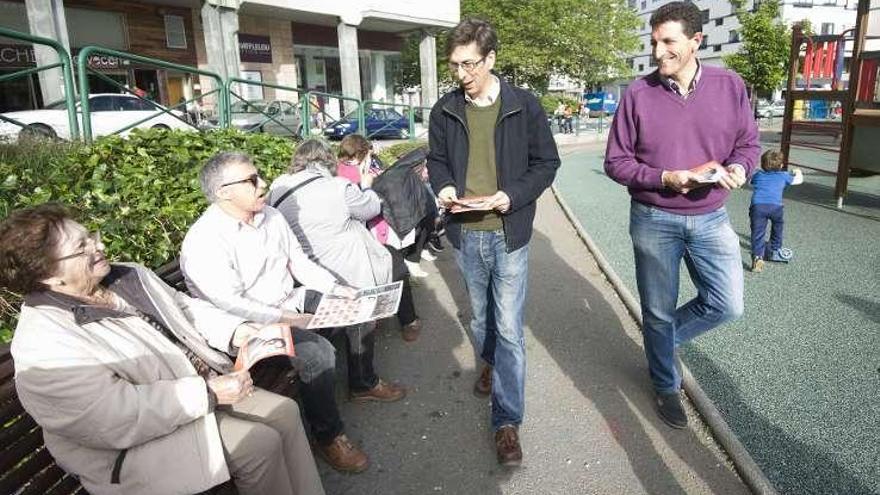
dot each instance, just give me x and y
(655, 129)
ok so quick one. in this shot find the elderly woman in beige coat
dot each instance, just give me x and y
(111, 363)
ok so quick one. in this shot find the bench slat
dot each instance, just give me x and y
(11, 456)
(68, 486)
(11, 432)
(27, 471)
(10, 409)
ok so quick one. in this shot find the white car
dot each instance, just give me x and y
(109, 113)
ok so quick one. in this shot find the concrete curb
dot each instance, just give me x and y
(746, 466)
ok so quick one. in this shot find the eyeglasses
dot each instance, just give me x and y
(468, 65)
(254, 179)
(95, 237)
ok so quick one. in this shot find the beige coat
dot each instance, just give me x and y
(101, 383)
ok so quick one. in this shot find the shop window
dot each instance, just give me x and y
(175, 32)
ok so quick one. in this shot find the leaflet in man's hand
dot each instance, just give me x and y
(271, 340)
(373, 303)
(473, 203)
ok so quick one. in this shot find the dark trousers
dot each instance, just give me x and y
(361, 343)
(406, 312)
(424, 229)
(315, 363)
(759, 215)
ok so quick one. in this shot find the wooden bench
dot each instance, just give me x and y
(27, 468)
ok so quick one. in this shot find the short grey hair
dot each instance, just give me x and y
(211, 175)
(315, 153)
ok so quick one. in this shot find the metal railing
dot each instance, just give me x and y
(84, 71)
(293, 125)
(378, 124)
(64, 63)
(317, 115)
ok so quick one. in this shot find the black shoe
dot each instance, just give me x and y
(436, 244)
(671, 411)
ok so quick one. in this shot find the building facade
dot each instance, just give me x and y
(347, 47)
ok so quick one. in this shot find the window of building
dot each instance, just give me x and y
(705, 42)
(716, 48)
(175, 32)
(827, 28)
(719, 21)
(705, 16)
(641, 67)
(803, 3)
(733, 36)
(644, 4)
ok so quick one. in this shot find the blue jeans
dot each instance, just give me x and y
(759, 215)
(710, 249)
(496, 282)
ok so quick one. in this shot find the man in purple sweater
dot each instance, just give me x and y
(682, 138)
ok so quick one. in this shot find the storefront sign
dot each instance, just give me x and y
(253, 48)
(18, 56)
(22, 56)
(104, 62)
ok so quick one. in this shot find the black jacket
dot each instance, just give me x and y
(525, 155)
(404, 195)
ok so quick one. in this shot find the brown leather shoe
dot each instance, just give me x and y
(382, 392)
(507, 446)
(483, 385)
(342, 455)
(410, 332)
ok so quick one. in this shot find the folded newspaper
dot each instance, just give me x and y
(271, 340)
(373, 303)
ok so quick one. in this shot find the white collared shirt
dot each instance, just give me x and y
(491, 95)
(248, 269)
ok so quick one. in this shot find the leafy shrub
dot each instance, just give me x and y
(390, 154)
(141, 192)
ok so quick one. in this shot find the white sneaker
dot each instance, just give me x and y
(415, 270)
(427, 256)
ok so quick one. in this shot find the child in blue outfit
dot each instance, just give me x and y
(768, 184)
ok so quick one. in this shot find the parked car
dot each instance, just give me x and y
(253, 116)
(109, 113)
(380, 123)
(768, 109)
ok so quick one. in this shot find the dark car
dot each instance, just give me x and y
(380, 123)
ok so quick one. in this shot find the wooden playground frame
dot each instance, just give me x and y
(823, 57)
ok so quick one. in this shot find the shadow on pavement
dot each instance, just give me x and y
(816, 471)
(592, 348)
(436, 439)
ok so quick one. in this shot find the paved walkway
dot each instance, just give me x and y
(798, 377)
(590, 426)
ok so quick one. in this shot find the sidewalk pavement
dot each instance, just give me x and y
(796, 378)
(590, 425)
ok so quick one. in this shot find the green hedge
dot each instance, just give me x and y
(141, 192)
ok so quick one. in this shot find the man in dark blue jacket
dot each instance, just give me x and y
(492, 154)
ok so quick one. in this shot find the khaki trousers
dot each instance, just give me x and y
(266, 447)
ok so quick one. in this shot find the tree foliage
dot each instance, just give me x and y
(762, 60)
(585, 40)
